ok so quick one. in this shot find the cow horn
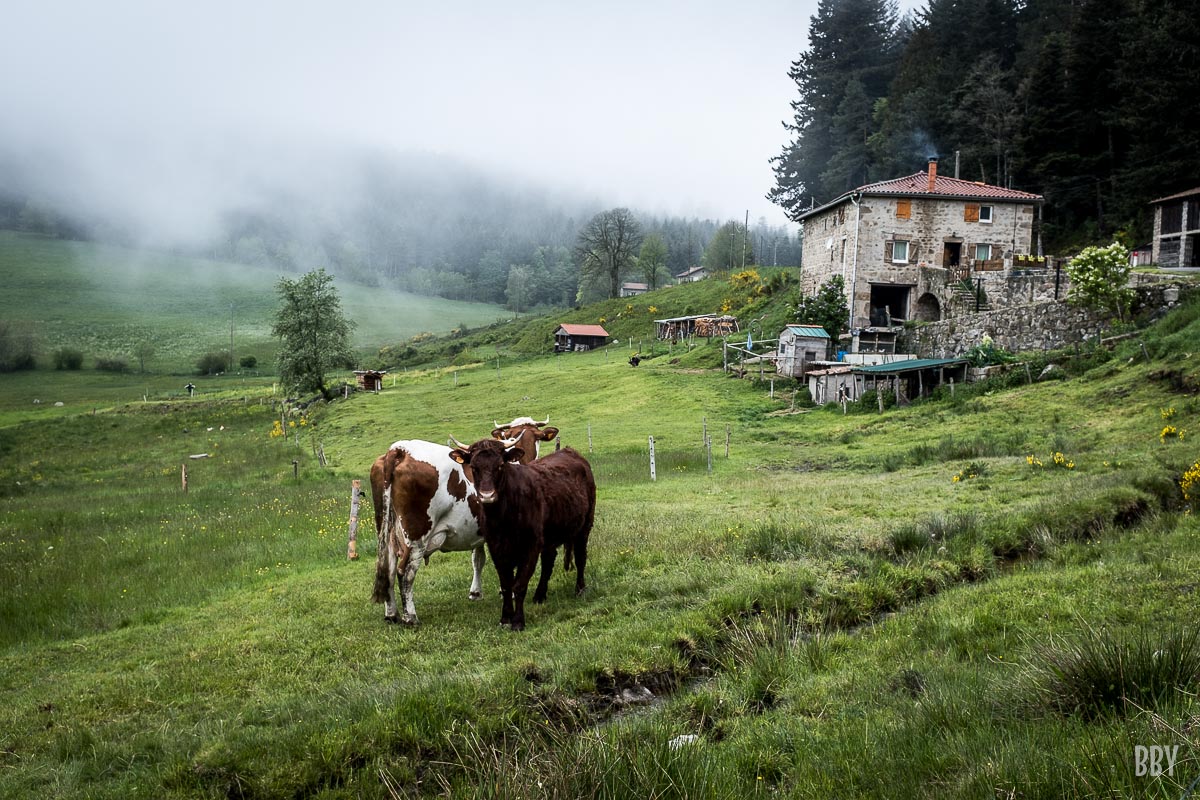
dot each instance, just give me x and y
(509, 443)
(497, 424)
(456, 443)
(546, 421)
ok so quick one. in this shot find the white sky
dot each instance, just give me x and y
(664, 106)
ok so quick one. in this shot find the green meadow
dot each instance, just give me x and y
(106, 300)
(990, 593)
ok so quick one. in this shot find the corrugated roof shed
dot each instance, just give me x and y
(815, 331)
(909, 365)
(1180, 196)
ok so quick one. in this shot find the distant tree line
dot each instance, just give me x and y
(1088, 102)
(438, 228)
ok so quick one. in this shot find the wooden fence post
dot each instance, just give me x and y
(352, 546)
(589, 438)
(708, 452)
(653, 476)
(727, 440)
(183, 475)
(295, 468)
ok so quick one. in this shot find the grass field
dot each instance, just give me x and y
(828, 612)
(105, 300)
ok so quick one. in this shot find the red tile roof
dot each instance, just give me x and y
(917, 185)
(583, 330)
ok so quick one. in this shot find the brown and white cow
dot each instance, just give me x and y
(529, 510)
(423, 503)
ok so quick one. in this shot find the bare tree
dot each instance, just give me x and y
(607, 245)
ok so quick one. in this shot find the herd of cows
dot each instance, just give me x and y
(496, 493)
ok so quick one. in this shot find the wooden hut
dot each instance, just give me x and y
(799, 347)
(370, 380)
(578, 338)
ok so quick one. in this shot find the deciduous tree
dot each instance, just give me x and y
(606, 246)
(314, 334)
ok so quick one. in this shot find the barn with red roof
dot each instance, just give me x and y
(577, 338)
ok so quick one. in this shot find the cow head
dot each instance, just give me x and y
(487, 459)
(528, 432)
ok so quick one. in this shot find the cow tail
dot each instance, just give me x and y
(383, 575)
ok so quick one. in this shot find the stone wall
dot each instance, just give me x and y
(1032, 326)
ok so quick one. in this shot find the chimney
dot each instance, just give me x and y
(932, 172)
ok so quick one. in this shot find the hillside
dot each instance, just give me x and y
(105, 300)
(968, 597)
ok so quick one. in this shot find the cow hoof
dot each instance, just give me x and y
(475, 595)
(539, 598)
(392, 620)
(518, 626)
(410, 621)
(579, 592)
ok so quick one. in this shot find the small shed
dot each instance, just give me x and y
(578, 338)
(632, 288)
(370, 380)
(912, 378)
(799, 346)
(692, 275)
(832, 383)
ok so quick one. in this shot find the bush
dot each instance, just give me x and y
(248, 362)
(16, 349)
(68, 358)
(212, 364)
(1098, 673)
(112, 364)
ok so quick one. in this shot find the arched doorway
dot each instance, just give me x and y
(928, 308)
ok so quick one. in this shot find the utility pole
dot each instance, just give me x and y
(232, 363)
(745, 236)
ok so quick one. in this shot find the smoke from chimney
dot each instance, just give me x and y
(932, 172)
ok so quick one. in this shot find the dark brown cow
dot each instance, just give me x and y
(530, 510)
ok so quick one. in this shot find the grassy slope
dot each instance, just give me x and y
(218, 644)
(105, 300)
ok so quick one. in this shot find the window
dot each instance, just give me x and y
(899, 252)
(983, 252)
(985, 214)
(971, 212)
(904, 209)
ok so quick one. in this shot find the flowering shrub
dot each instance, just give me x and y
(1056, 459)
(1167, 413)
(973, 470)
(277, 430)
(1171, 432)
(1189, 482)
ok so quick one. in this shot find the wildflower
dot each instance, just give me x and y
(1166, 432)
(1167, 413)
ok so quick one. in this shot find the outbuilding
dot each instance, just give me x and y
(799, 347)
(370, 380)
(578, 338)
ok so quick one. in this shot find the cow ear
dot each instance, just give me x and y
(548, 433)
(514, 453)
(497, 433)
(461, 456)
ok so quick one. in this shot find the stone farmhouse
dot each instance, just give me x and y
(925, 247)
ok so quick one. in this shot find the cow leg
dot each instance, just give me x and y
(406, 577)
(520, 586)
(388, 555)
(548, 556)
(567, 555)
(478, 559)
(581, 543)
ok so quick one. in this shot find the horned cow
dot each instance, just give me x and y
(529, 510)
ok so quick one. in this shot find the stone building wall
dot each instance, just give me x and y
(1029, 327)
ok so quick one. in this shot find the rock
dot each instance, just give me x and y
(636, 695)
(59, 404)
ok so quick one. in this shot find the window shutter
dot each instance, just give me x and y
(904, 209)
(887, 251)
(971, 212)
(913, 249)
